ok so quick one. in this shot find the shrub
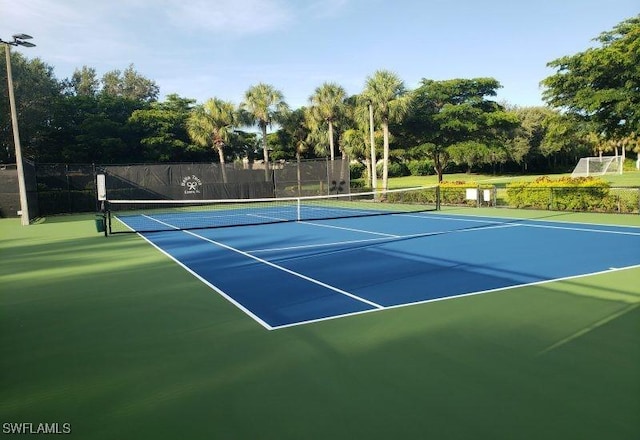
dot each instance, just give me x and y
(421, 167)
(357, 170)
(565, 194)
(455, 193)
(395, 169)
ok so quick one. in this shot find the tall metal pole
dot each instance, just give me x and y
(374, 180)
(24, 207)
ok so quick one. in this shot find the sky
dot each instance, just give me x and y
(202, 49)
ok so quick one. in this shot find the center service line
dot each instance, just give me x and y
(284, 269)
(275, 266)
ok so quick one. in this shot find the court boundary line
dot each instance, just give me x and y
(210, 285)
(377, 307)
(349, 229)
(462, 295)
(390, 238)
(524, 222)
(275, 266)
(477, 218)
(289, 271)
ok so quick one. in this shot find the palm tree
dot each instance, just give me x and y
(355, 144)
(327, 103)
(386, 93)
(356, 141)
(295, 127)
(263, 105)
(211, 125)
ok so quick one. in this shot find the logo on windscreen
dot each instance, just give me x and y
(191, 184)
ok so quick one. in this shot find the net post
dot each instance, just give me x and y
(107, 218)
(438, 197)
(298, 210)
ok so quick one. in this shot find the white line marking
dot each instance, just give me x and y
(349, 229)
(284, 269)
(320, 245)
(275, 266)
(525, 222)
(463, 295)
(378, 307)
(390, 239)
(212, 286)
(270, 218)
(441, 217)
(600, 231)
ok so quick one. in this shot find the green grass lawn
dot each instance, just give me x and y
(111, 336)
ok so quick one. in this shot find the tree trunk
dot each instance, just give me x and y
(331, 146)
(438, 167)
(222, 164)
(374, 181)
(385, 164)
(299, 174)
(265, 152)
(367, 164)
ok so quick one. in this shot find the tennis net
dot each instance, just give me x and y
(166, 215)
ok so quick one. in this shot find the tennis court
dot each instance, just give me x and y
(293, 273)
(113, 337)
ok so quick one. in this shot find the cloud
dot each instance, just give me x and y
(236, 17)
(327, 8)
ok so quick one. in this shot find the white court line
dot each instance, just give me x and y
(524, 222)
(378, 307)
(462, 295)
(284, 269)
(320, 245)
(583, 229)
(275, 266)
(270, 218)
(350, 229)
(207, 283)
(389, 238)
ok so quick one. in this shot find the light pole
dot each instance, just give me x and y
(18, 40)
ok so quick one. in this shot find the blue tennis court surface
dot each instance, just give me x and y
(293, 273)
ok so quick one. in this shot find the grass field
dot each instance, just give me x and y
(112, 337)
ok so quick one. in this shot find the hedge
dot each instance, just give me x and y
(455, 193)
(565, 194)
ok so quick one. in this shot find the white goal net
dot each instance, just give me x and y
(598, 166)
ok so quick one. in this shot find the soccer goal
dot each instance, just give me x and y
(598, 166)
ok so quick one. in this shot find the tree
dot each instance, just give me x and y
(263, 104)
(566, 139)
(129, 84)
(297, 132)
(211, 125)
(36, 92)
(84, 82)
(163, 128)
(602, 84)
(455, 116)
(327, 103)
(386, 93)
(469, 153)
(523, 145)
